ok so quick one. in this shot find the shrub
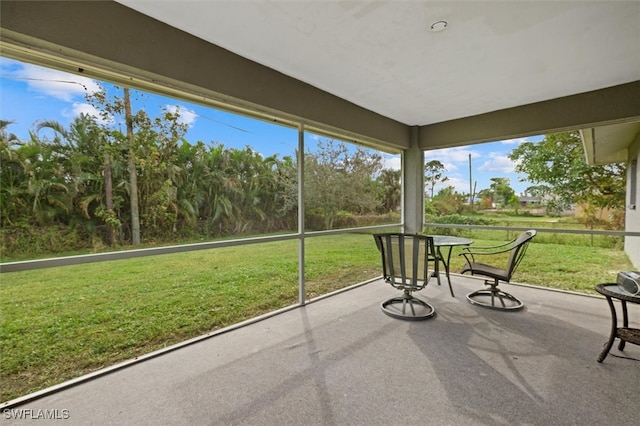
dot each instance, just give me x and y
(454, 219)
(30, 242)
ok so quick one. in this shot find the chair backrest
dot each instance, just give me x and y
(406, 258)
(519, 248)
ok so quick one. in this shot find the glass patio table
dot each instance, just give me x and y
(448, 242)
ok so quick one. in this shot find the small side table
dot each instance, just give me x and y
(624, 333)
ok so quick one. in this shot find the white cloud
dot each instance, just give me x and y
(452, 158)
(393, 163)
(497, 163)
(460, 184)
(516, 141)
(84, 108)
(187, 116)
(58, 84)
(452, 155)
(520, 141)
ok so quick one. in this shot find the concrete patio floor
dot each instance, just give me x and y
(341, 361)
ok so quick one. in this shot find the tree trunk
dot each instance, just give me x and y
(133, 178)
(108, 189)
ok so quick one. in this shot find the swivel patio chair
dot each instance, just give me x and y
(513, 251)
(405, 266)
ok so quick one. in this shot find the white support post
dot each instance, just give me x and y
(413, 185)
(301, 290)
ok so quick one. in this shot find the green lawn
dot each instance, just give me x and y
(59, 323)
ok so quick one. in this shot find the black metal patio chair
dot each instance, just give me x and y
(513, 251)
(405, 266)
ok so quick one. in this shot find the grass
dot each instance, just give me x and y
(60, 323)
(562, 266)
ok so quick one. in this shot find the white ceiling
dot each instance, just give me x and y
(382, 56)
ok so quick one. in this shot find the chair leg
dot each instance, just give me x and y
(396, 307)
(436, 269)
(507, 302)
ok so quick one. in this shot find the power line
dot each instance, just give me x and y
(85, 88)
(45, 80)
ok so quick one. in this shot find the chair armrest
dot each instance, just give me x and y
(468, 257)
(475, 247)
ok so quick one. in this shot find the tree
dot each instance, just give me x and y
(391, 190)
(133, 179)
(486, 199)
(514, 203)
(5, 135)
(501, 189)
(84, 177)
(447, 201)
(338, 179)
(559, 162)
(13, 185)
(433, 171)
(110, 110)
(84, 159)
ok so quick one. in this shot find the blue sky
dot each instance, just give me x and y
(30, 93)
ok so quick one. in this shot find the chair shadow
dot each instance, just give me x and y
(525, 368)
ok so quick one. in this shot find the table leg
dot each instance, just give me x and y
(625, 322)
(614, 330)
(446, 266)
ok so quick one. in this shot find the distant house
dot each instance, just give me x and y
(528, 201)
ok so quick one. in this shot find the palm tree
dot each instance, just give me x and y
(13, 185)
(389, 181)
(49, 187)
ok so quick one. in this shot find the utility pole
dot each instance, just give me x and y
(470, 186)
